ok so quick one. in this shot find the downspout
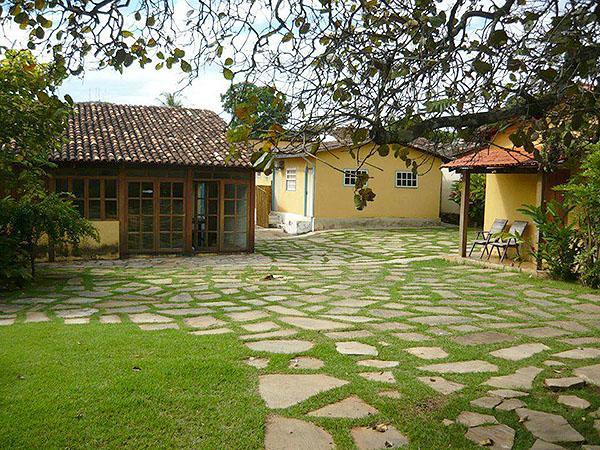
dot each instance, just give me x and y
(273, 190)
(305, 187)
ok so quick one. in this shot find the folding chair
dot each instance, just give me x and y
(516, 230)
(483, 237)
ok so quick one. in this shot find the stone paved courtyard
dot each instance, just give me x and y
(354, 334)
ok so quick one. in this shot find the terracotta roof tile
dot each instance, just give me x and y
(105, 132)
(493, 157)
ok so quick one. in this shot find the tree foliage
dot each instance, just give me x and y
(32, 123)
(256, 111)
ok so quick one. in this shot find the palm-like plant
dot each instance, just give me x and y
(171, 99)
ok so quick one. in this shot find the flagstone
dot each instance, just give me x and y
(285, 310)
(149, 318)
(548, 427)
(441, 385)
(310, 323)
(259, 363)
(483, 338)
(440, 320)
(269, 334)
(378, 363)
(202, 322)
(427, 352)
(367, 438)
(158, 326)
(247, 316)
(381, 377)
(573, 401)
(388, 326)
(355, 348)
(110, 319)
(543, 445)
(353, 334)
(350, 408)
(495, 437)
(413, 337)
(507, 393)
(35, 317)
(283, 391)
(390, 393)
(184, 311)
(519, 352)
(353, 303)
(542, 332)
(7, 321)
(486, 402)
(579, 353)
(473, 419)
(581, 340)
(285, 346)
(591, 374)
(76, 313)
(77, 321)
(126, 310)
(557, 384)
(306, 362)
(521, 379)
(260, 326)
(212, 331)
(476, 366)
(283, 433)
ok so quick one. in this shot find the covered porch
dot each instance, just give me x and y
(513, 180)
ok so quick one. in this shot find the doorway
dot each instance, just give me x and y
(206, 216)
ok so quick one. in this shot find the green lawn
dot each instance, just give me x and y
(76, 386)
(80, 387)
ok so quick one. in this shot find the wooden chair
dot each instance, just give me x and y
(483, 237)
(516, 231)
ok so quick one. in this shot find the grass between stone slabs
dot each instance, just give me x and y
(74, 385)
(78, 386)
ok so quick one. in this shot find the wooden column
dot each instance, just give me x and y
(464, 212)
(189, 200)
(122, 211)
(541, 202)
(252, 212)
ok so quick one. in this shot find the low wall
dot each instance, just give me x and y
(373, 222)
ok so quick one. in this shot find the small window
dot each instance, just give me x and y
(94, 198)
(350, 176)
(406, 179)
(290, 180)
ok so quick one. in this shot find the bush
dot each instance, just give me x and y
(476, 197)
(560, 246)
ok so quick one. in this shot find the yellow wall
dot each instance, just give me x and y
(108, 231)
(505, 194)
(290, 201)
(334, 200)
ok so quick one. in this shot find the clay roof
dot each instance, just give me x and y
(493, 157)
(295, 149)
(105, 132)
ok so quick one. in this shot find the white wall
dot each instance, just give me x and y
(447, 206)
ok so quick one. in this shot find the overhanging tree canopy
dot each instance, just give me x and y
(390, 71)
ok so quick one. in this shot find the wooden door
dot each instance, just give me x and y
(263, 205)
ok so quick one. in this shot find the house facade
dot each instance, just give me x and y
(513, 180)
(316, 192)
(155, 180)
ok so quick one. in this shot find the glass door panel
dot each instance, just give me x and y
(140, 216)
(235, 216)
(206, 216)
(171, 216)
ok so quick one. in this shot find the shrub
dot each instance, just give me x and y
(560, 246)
(476, 197)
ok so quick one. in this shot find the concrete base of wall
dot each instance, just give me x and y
(373, 222)
(291, 223)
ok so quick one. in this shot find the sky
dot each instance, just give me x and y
(138, 86)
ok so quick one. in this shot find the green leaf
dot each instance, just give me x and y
(482, 67)
(228, 62)
(228, 74)
(185, 66)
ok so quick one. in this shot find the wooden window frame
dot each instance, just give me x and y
(413, 178)
(86, 197)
